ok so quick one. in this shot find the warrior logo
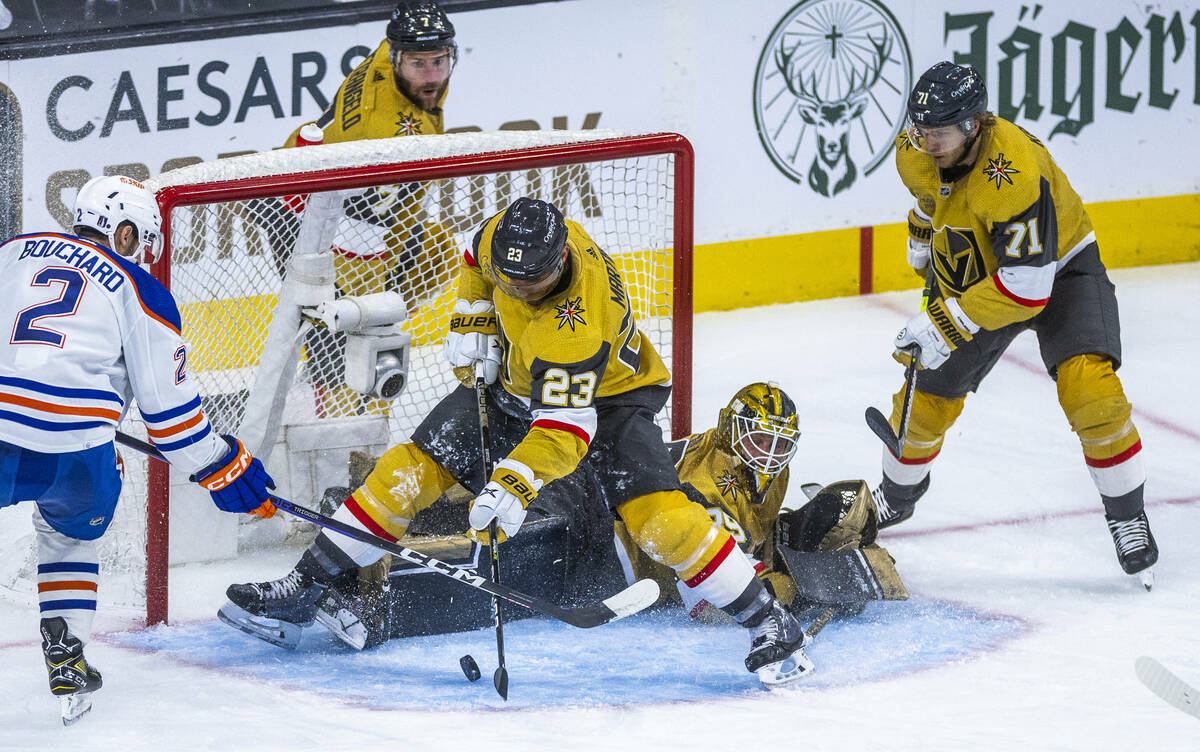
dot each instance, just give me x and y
(829, 70)
(999, 169)
(569, 313)
(957, 258)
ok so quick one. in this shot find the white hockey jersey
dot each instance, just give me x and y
(88, 331)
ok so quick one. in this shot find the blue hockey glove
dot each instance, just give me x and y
(238, 482)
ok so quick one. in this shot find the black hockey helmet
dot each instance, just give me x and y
(947, 94)
(420, 26)
(528, 241)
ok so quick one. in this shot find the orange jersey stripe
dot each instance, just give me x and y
(49, 407)
(48, 587)
(162, 433)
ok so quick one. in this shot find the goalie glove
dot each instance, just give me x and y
(505, 498)
(473, 337)
(938, 331)
(237, 481)
(920, 240)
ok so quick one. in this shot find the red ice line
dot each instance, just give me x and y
(1014, 521)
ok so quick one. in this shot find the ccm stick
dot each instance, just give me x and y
(629, 601)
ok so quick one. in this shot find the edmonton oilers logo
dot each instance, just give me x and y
(830, 91)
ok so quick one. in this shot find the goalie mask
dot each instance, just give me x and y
(527, 249)
(760, 427)
(105, 203)
(943, 106)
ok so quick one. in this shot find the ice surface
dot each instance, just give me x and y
(1021, 632)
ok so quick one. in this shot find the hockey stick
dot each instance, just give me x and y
(819, 623)
(500, 678)
(1162, 682)
(629, 601)
(875, 419)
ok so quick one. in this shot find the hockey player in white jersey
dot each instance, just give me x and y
(89, 331)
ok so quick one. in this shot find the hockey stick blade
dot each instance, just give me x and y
(880, 426)
(632, 599)
(1162, 682)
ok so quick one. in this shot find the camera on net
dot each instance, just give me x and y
(377, 348)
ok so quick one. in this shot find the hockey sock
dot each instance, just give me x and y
(68, 575)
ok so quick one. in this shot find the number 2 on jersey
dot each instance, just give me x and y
(66, 303)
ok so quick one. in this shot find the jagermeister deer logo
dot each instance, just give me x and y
(829, 91)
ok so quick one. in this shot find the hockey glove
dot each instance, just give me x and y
(938, 331)
(920, 240)
(506, 496)
(473, 337)
(238, 482)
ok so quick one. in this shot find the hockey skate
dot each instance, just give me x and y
(275, 611)
(1136, 549)
(777, 648)
(359, 619)
(72, 679)
(890, 514)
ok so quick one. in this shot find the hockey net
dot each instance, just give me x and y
(392, 214)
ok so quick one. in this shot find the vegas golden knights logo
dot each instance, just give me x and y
(957, 259)
(830, 91)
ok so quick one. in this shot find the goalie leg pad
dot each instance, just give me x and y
(844, 578)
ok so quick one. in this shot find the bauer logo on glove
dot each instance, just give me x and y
(504, 499)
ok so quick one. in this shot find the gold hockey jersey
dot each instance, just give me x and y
(744, 503)
(368, 104)
(1002, 228)
(735, 498)
(579, 344)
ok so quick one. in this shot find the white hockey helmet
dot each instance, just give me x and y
(105, 202)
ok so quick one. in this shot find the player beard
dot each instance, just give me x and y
(426, 97)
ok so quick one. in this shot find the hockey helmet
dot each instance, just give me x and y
(420, 26)
(946, 95)
(105, 203)
(760, 426)
(527, 244)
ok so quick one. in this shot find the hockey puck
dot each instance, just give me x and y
(470, 668)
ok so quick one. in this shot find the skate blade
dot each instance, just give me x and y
(345, 625)
(786, 672)
(1146, 577)
(74, 706)
(275, 631)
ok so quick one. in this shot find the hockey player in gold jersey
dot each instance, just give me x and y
(1012, 249)
(398, 90)
(546, 313)
(823, 553)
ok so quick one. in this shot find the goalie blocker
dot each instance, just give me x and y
(564, 554)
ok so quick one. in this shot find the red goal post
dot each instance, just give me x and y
(405, 210)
